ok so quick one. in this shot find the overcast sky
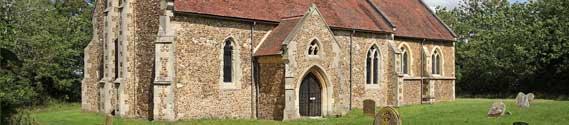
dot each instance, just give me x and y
(452, 3)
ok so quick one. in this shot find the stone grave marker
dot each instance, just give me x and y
(522, 100)
(109, 120)
(498, 109)
(387, 116)
(531, 97)
(520, 123)
(369, 107)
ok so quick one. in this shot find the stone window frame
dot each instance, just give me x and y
(439, 60)
(104, 48)
(107, 40)
(317, 45)
(122, 39)
(108, 5)
(107, 2)
(236, 70)
(379, 68)
(121, 3)
(405, 49)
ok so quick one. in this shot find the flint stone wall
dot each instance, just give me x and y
(199, 42)
(271, 97)
(336, 99)
(361, 43)
(93, 58)
(138, 41)
(147, 15)
(444, 85)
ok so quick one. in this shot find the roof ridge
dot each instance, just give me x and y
(385, 18)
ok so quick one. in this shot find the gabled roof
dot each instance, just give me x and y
(287, 30)
(272, 45)
(347, 14)
(413, 19)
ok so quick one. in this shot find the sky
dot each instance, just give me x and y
(453, 3)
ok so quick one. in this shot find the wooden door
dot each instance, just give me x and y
(310, 96)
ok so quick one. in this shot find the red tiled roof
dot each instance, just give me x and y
(413, 19)
(272, 45)
(351, 14)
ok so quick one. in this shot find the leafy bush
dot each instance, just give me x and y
(506, 48)
(41, 53)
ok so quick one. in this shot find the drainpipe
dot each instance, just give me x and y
(253, 105)
(351, 61)
(422, 69)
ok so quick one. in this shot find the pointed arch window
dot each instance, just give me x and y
(228, 61)
(404, 60)
(372, 66)
(436, 62)
(313, 48)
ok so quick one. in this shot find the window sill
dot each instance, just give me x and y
(371, 86)
(229, 86)
(313, 57)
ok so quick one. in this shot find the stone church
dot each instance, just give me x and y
(264, 59)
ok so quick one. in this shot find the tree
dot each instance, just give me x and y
(42, 51)
(506, 48)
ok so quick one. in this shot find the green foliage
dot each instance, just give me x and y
(41, 55)
(505, 48)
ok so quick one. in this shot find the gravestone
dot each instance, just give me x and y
(369, 107)
(109, 120)
(531, 97)
(520, 123)
(522, 100)
(498, 109)
(387, 116)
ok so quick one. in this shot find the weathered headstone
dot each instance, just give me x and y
(498, 109)
(109, 120)
(369, 107)
(531, 97)
(387, 116)
(525, 103)
(520, 123)
(522, 100)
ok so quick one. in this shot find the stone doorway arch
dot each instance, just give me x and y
(316, 77)
(310, 96)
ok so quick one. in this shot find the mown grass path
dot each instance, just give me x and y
(461, 111)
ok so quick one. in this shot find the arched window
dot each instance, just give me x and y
(404, 60)
(313, 48)
(227, 61)
(436, 62)
(372, 66)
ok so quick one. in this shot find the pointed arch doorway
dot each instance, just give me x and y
(310, 101)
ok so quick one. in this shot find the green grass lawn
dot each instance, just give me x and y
(461, 111)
